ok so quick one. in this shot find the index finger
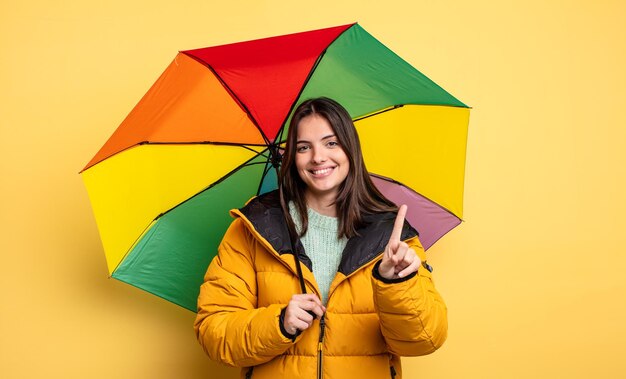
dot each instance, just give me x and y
(396, 233)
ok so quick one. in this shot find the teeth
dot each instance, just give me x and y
(322, 171)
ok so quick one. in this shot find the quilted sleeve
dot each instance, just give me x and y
(229, 326)
(413, 316)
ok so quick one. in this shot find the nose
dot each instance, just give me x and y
(318, 155)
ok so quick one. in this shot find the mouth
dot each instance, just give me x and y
(320, 172)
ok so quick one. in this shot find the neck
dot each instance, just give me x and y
(324, 205)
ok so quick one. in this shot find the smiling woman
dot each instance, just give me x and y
(321, 163)
(364, 296)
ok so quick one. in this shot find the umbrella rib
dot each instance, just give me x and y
(394, 107)
(412, 190)
(377, 112)
(244, 146)
(200, 143)
(233, 94)
(255, 163)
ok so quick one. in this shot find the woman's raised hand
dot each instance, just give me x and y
(399, 260)
(297, 316)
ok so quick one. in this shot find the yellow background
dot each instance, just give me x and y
(534, 279)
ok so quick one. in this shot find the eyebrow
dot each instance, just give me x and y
(323, 138)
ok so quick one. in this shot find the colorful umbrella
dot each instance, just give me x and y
(206, 138)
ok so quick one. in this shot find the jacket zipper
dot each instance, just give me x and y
(393, 372)
(320, 351)
(249, 373)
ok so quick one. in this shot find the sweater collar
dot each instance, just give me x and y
(315, 219)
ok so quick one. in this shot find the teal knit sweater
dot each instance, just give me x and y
(322, 245)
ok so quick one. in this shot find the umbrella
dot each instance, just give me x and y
(207, 136)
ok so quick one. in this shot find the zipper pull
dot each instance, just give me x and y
(322, 327)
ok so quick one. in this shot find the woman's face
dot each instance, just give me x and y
(320, 160)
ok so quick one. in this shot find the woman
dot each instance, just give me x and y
(359, 294)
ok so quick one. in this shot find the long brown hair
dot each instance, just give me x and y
(357, 195)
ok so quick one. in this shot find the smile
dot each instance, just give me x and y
(322, 171)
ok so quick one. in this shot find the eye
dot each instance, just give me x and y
(301, 148)
(332, 143)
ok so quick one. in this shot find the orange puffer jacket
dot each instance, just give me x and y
(369, 322)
